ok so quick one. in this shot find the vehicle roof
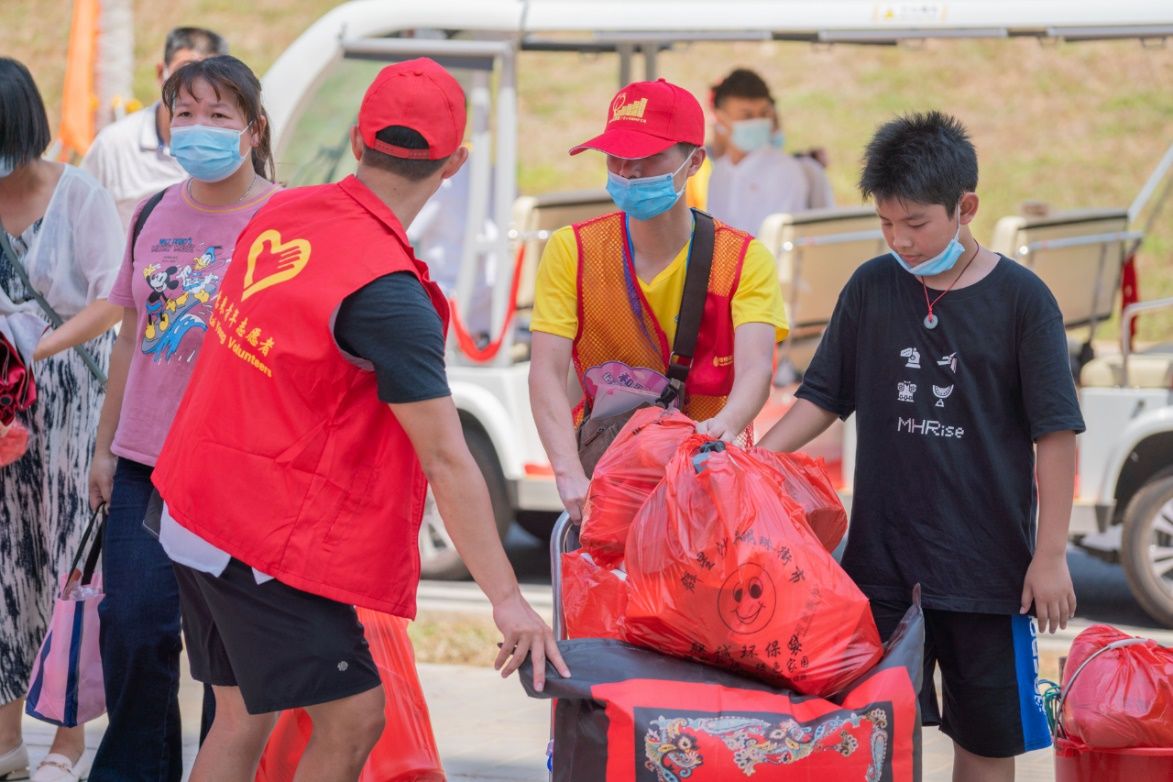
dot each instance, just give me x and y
(607, 25)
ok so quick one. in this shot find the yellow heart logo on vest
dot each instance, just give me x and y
(289, 258)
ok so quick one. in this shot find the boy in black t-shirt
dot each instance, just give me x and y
(954, 360)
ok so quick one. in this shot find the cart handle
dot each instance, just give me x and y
(564, 538)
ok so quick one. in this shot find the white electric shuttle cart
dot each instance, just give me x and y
(314, 88)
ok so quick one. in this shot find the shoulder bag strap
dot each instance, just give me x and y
(55, 320)
(692, 304)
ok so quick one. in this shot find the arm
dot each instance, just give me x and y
(1048, 582)
(550, 405)
(102, 467)
(95, 319)
(433, 426)
(753, 362)
(802, 423)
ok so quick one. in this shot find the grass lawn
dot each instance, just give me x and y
(1073, 125)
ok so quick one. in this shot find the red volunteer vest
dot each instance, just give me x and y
(281, 452)
(610, 329)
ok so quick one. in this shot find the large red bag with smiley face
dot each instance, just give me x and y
(723, 568)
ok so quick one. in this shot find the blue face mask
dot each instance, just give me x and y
(777, 139)
(939, 263)
(751, 134)
(208, 154)
(6, 167)
(648, 196)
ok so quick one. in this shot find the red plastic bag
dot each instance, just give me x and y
(628, 472)
(723, 568)
(406, 752)
(806, 482)
(593, 597)
(1123, 696)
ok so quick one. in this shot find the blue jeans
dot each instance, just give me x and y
(140, 643)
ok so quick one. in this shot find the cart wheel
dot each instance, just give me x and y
(1147, 548)
(438, 557)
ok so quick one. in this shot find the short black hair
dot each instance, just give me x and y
(924, 158)
(24, 126)
(197, 39)
(412, 169)
(741, 83)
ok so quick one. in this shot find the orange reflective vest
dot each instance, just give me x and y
(281, 453)
(616, 323)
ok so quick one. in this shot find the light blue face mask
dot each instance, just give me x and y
(208, 154)
(777, 139)
(646, 197)
(6, 167)
(939, 263)
(751, 134)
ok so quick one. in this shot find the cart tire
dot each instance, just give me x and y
(1147, 548)
(438, 557)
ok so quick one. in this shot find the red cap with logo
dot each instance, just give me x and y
(647, 117)
(417, 94)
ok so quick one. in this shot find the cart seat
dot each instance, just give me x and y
(1078, 254)
(817, 252)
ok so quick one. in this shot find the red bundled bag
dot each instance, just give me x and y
(406, 752)
(593, 597)
(723, 568)
(806, 482)
(1118, 691)
(630, 469)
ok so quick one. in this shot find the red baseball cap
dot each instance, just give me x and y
(647, 117)
(417, 94)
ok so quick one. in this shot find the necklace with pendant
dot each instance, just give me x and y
(931, 320)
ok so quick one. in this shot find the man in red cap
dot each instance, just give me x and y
(610, 289)
(295, 472)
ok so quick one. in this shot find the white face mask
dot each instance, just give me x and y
(6, 167)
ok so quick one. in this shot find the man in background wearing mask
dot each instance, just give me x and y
(610, 289)
(132, 157)
(752, 177)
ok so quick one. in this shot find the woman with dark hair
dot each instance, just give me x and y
(62, 238)
(168, 288)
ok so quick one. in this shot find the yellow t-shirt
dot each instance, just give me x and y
(758, 298)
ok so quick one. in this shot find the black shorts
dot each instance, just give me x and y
(282, 647)
(989, 671)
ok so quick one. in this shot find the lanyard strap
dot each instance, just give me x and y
(699, 265)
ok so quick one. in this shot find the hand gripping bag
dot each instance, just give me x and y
(406, 752)
(1117, 691)
(627, 473)
(632, 715)
(593, 597)
(723, 568)
(806, 482)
